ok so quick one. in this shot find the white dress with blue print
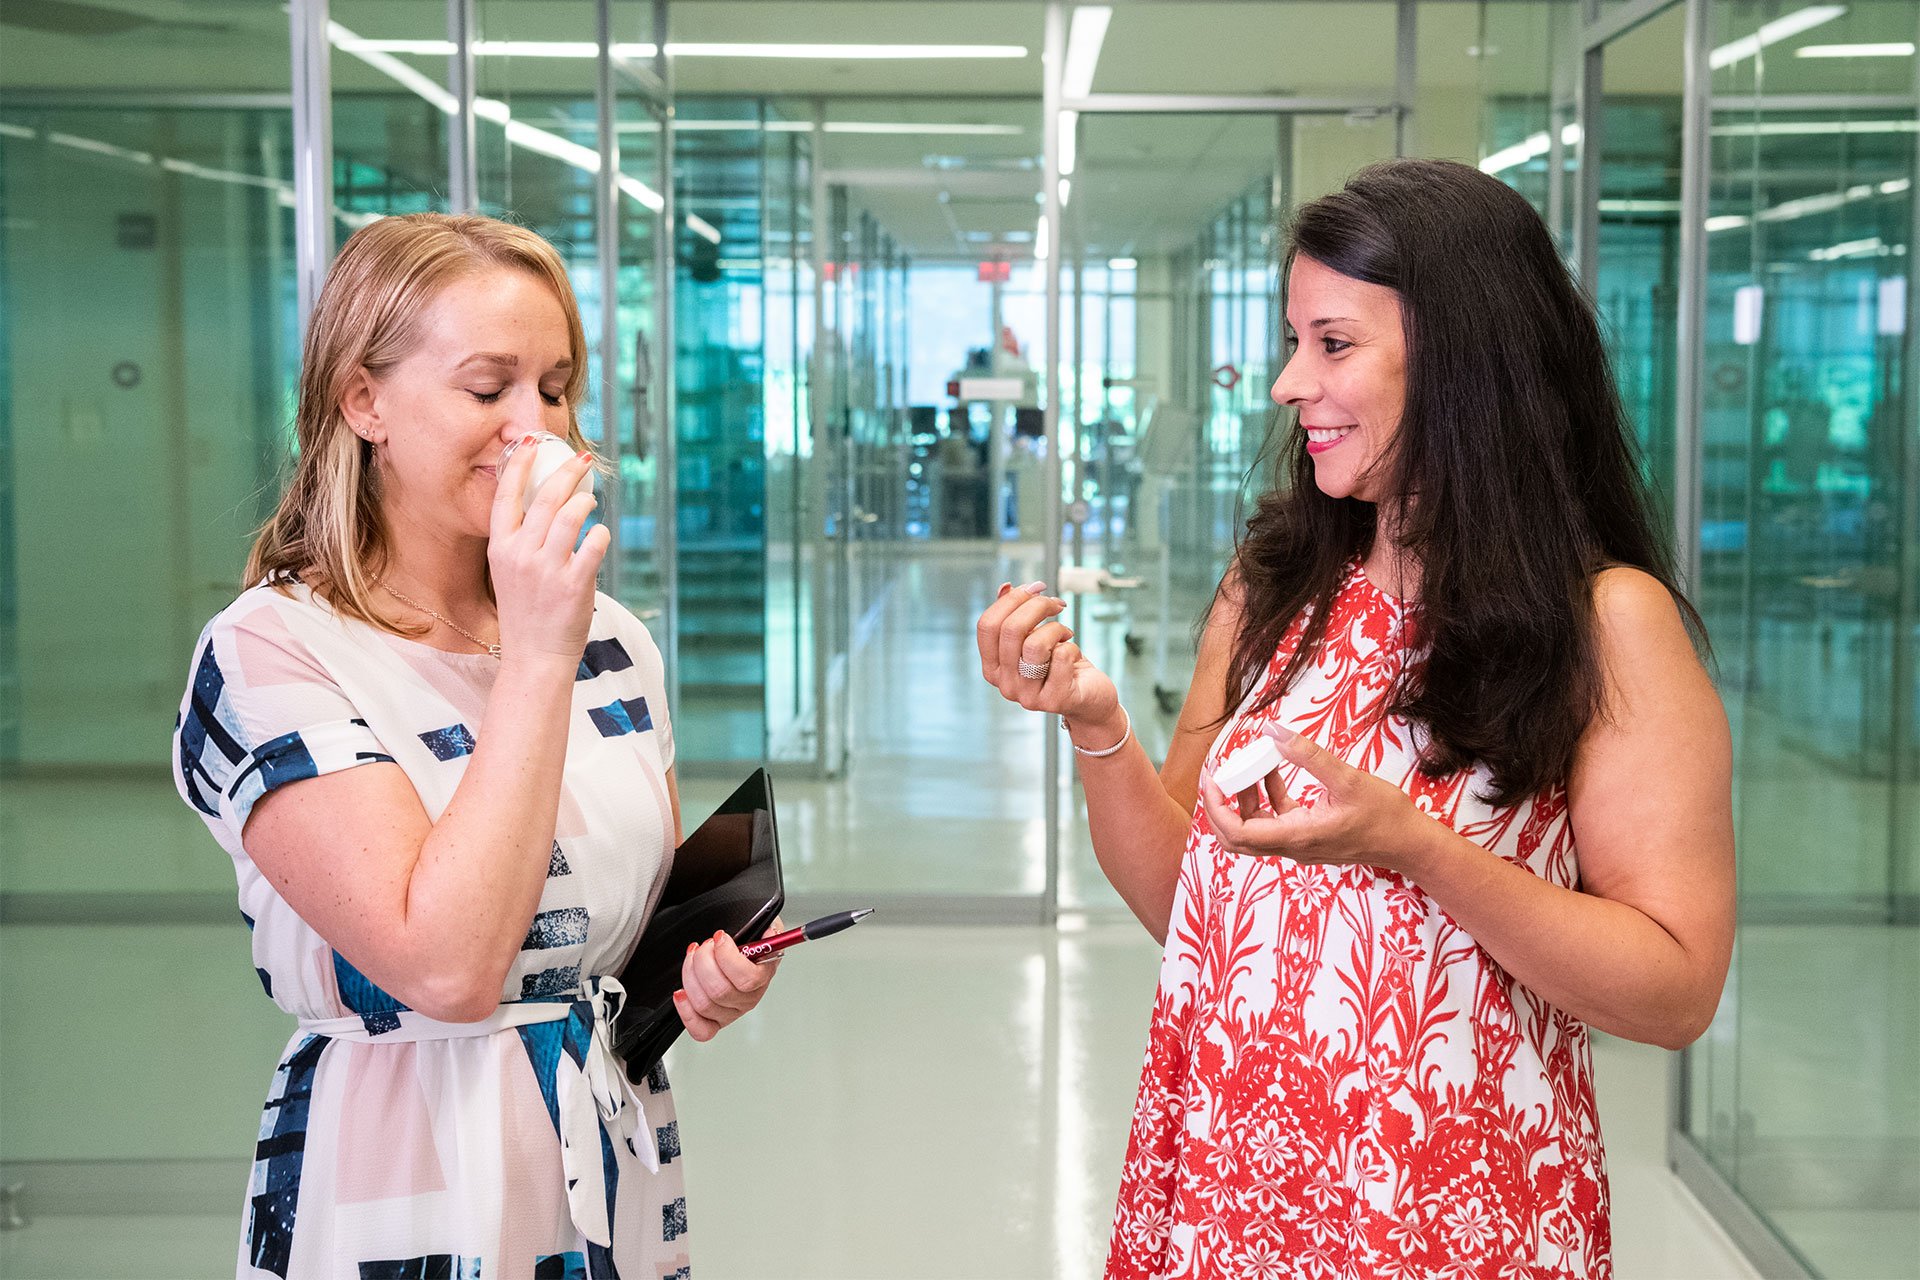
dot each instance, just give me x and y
(392, 1145)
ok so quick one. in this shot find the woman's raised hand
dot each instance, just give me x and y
(1022, 625)
(543, 571)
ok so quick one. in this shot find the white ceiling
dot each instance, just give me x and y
(1141, 179)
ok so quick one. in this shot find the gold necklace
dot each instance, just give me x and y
(493, 650)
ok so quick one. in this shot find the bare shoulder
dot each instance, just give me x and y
(1638, 625)
(1647, 655)
(1629, 602)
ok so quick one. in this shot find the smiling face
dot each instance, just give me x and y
(490, 364)
(1347, 377)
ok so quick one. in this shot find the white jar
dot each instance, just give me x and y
(551, 454)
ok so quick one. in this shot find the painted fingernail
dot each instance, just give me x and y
(680, 995)
(585, 455)
(1034, 588)
(692, 947)
(1280, 733)
(527, 439)
(1004, 588)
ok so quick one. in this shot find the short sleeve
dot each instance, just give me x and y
(260, 711)
(648, 663)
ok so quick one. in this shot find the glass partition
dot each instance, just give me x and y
(147, 358)
(1803, 1095)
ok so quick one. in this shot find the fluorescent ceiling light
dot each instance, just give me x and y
(902, 128)
(1085, 35)
(101, 148)
(1897, 49)
(911, 129)
(14, 131)
(1066, 192)
(838, 52)
(1639, 206)
(1123, 264)
(1813, 128)
(1728, 222)
(702, 228)
(1531, 148)
(1069, 142)
(518, 132)
(1872, 246)
(1772, 33)
(1042, 241)
(280, 187)
(357, 45)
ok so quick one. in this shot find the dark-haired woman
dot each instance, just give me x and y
(1504, 809)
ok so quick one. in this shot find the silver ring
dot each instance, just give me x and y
(1035, 670)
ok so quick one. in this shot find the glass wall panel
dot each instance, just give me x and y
(720, 337)
(390, 111)
(1636, 288)
(147, 356)
(794, 565)
(1805, 1099)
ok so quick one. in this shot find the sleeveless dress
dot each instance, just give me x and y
(1339, 1082)
(392, 1145)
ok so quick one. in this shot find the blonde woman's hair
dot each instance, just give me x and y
(327, 531)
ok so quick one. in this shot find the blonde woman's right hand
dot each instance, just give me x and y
(1023, 625)
(542, 580)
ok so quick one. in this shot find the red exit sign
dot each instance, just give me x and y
(996, 272)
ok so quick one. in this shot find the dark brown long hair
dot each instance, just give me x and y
(1521, 470)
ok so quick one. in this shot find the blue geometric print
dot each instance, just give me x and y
(376, 1008)
(281, 1149)
(657, 1078)
(278, 761)
(602, 655)
(435, 1266)
(542, 1043)
(557, 864)
(561, 927)
(666, 1141)
(673, 1220)
(450, 743)
(550, 982)
(599, 1257)
(629, 715)
(201, 727)
(561, 1266)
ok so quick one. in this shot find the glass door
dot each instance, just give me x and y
(1808, 578)
(1172, 312)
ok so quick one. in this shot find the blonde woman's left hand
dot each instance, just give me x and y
(718, 984)
(1358, 820)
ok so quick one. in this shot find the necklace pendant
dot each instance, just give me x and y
(493, 651)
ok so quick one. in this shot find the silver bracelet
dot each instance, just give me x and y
(1096, 755)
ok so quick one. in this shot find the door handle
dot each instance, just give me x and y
(642, 390)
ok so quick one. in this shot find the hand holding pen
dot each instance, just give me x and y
(770, 947)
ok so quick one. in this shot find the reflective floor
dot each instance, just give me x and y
(913, 1101)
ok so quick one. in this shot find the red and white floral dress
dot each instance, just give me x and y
(1339, 1082)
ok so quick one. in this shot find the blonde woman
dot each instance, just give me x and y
(443, 767)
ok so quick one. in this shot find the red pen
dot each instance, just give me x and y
(767, 948)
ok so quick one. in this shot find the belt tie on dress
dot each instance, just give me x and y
(590, 1085)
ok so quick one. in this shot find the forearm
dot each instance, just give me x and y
(482, 867)
(1606, 963)
(1139, 832)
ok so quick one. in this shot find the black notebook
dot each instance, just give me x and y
(726, 875)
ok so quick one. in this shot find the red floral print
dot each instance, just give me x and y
(1339, 1083)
